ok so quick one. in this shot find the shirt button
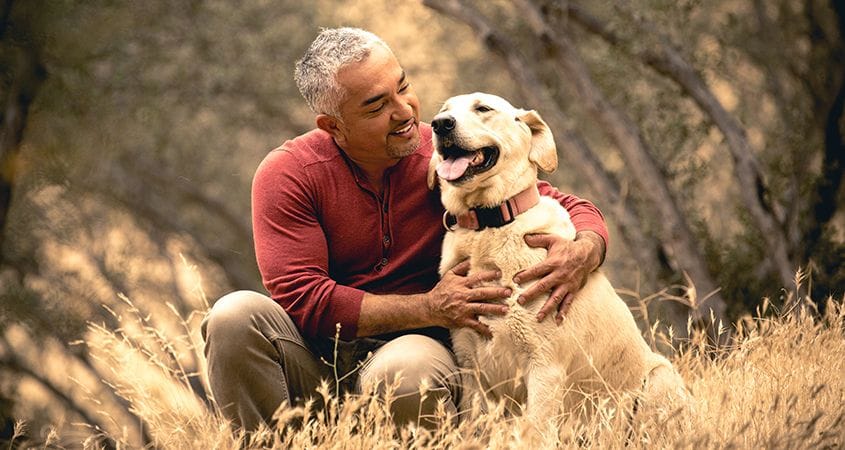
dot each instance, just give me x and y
(381, 265)
(386, 240)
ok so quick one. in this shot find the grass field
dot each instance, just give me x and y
(778, 384)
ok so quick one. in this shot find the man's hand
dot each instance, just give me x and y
(563, 272)
(457, 300)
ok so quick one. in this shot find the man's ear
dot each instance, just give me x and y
(432, 169)
(331, 125)
(543, 151)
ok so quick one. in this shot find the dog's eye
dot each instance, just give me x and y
(483, 108)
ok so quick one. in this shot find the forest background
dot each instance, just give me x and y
(710, 133)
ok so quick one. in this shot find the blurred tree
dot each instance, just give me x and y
(139, 149)
(21, 83)
(558, 62)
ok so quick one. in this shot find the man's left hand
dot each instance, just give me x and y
(563, 272)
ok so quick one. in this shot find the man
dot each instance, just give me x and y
(347, 238)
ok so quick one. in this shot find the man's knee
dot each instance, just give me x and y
(419, 372)
(408, 361)
(232, 310)
(256, 358)
(241, 314)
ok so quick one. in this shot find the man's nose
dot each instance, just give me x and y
(403, 112)
(443, 124)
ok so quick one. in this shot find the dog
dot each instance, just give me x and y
(486, 159)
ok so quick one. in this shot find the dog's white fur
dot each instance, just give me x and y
(598, 349)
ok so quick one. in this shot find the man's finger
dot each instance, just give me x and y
(539, 240)
(559, 293)
(564, 307)
(534, 272)
(481, 294)
(484, 330)
(485, 275)
(462, 268)
(532, 292)
(550, 306)
(489, 309)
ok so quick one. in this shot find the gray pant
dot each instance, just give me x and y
(258, 360)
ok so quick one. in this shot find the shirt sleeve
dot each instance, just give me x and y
(292, 252)
(584, 214)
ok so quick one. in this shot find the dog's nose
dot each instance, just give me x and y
(443, 124)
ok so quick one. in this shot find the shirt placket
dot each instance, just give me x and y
(384, 222)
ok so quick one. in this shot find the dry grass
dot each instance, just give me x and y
(778, 385)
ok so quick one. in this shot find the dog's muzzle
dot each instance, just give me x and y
(443, 124)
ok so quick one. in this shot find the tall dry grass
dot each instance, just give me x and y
(778, 384)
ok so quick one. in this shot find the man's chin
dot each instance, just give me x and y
(405, 149)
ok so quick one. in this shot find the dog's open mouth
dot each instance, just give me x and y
(460, 165)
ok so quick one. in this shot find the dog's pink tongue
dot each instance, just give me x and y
(452, 169)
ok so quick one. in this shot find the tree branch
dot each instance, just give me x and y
(571, 145)
(132, 192)
(755, 195)
(4, 16)
(678, 239)
(674, 228)
(192, 194)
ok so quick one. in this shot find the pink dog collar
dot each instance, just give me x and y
(496, 216)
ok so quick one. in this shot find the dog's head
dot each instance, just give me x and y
(485, 145)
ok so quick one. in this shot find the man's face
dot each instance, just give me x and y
(379, 115)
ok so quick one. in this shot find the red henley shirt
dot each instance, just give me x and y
(324, 237)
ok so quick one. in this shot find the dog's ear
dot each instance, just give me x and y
(543, 151)
(432, 169)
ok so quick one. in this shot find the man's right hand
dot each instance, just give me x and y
(457, 300)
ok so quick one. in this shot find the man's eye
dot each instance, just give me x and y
(483, 108)
(404, 88)
(377, 109)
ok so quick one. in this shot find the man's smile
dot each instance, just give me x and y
(405, 129)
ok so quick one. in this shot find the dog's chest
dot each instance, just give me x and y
(517, 334)
(499, 249)
(504, 248)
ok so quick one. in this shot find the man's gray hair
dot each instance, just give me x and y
(316, 73)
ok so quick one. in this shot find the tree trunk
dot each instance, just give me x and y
(674, 229)
(29, 74)
(833, 163)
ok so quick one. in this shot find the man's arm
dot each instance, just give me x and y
(456, 301)
(568, 263)
(292, 251)
(583, 213)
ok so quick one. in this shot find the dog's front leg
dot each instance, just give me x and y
(473, 399)
(663, 393)
(546, 397)
(451, 254)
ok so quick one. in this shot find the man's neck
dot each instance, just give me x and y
(373, 170)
